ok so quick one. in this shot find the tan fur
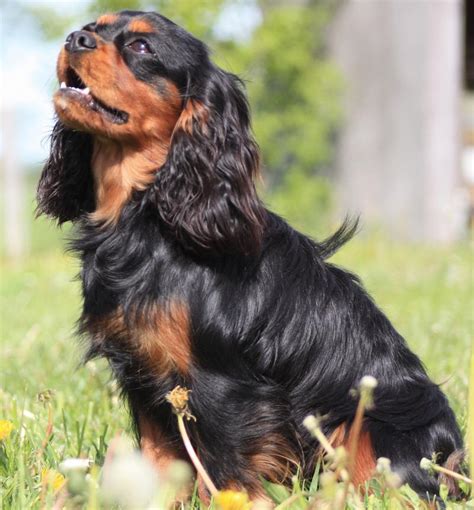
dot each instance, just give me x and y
(453, 463)
(118, 170)
(140, 25)
(364, 465)
(194, 111)
(338, 436)
(275, 460)
(365, 461)
(156, 446)
(160, 337)
(107, 19)
(125, 156)
(164, 338)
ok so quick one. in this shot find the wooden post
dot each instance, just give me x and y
(399, 154)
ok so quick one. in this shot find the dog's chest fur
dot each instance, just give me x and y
(153, 332)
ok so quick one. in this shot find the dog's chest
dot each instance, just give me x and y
(158, 339)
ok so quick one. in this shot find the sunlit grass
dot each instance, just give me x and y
(59, 410)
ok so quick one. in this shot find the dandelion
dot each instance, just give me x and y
(367, 387)
(178, 398)
(129, 479)
(232, 500)
(180, 473)
(75, 465)
(45, 396)
(383, 465)
(429, 465)
(426, 464)
(28, 415)
(384, 468)
(6, 428)
(368, 382)
(53, 479)
(313, 424)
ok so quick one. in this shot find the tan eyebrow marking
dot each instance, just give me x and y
(140, 25)
(107, 19)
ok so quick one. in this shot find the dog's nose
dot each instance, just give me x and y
(80, 41)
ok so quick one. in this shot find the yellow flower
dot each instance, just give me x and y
(52, 478)
(5, 429)
(232, 500)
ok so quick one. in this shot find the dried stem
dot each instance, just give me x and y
(452, 474)
(366, 388)
(178, 398)
(194, 458)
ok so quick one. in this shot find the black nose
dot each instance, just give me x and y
(80, 41)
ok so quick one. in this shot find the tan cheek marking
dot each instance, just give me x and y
(152, 119)
(165, 339)
(110, 79)
(140, 25)
(107, 19)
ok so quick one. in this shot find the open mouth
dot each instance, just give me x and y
(75, 87)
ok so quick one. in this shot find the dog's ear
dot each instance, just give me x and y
(65, 190)
(205, 192)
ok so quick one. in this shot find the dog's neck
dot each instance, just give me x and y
(119, 169)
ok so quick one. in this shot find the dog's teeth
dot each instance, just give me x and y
(63, 85)
(86, 90)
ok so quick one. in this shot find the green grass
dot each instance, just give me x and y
(426, 292)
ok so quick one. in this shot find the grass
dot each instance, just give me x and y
(60, 410)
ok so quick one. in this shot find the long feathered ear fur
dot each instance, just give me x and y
(65, 190)
(205, 191)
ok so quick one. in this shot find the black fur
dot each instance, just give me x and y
(277, 332)
(66, 189)
(205, 191)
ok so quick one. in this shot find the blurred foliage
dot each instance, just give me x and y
(198, 18)
(294, 89)
(305, 202)
(60, 412)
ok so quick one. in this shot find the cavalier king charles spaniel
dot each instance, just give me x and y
(189, 280)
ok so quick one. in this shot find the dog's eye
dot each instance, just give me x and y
(140, 46)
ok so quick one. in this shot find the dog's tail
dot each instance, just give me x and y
(344, 233)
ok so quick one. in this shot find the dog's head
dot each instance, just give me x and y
(140, 106)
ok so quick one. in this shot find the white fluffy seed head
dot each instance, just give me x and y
(425, 464)
(68, 465)
(311, 422)
(368, 382)
(130, 481)
(383, 465)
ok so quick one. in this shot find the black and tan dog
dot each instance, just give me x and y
(188, 279)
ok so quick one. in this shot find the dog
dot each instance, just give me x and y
(189, 280)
